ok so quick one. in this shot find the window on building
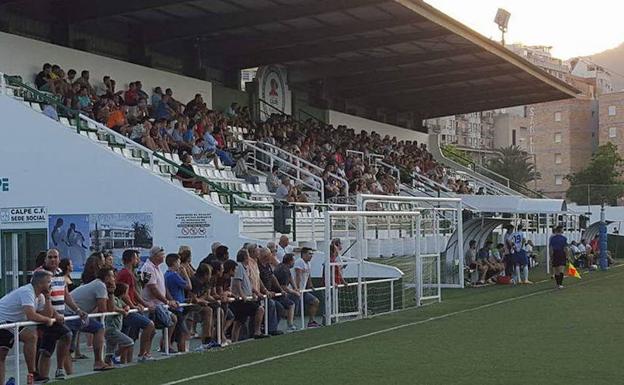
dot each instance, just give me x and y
(557, 137)
(558, 180)
(612, 132)
(558, 159)
(557, 116)
(612, 111)
(513, 137)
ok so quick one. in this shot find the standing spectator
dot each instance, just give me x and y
(245, 306)
(285, 279)
(116, 340)
(303, 281)
(92, 298)
(211, 257)
(273, 180)
(28, 303)
(59, 332)
(134, 323)
(155, 292)
(156, 97)
(177, 283)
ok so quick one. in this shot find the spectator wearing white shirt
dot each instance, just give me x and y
(283, 248)
(28, 303)
(303, 281)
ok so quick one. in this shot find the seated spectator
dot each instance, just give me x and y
(187, 175)
(117, 121)
(83, 80)
(157, 95)
(303, 281)
(273, 180)
(83, 101)
(246, 304)
(194, 106)
(30, 302)
(116, 340)
(201, 295)
(131, 96)
(283, 247)
(92, 298)
(135, 323)
(42, 80)
(162, 110)
(474, 264)
(177, 282)
(283, 191)
(156, 296)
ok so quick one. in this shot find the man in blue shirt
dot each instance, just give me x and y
(177, 283)
(558, 254)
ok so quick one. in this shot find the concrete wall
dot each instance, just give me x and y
(357, 123)
(25, 57)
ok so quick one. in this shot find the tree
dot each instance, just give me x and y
(514, 164)
(142, 235)
(601, 180)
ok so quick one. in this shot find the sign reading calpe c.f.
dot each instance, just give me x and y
(24, 214)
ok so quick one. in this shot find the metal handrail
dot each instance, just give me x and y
(272, 106)
(393, 168)
(300, 170)
(302, 161)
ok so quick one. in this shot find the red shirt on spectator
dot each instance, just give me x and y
(127, 277)
(131, 97)
(220, 141)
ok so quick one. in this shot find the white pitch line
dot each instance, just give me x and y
(371, 334)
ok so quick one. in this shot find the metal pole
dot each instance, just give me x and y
(314, 225)
(219, 331)
(460, 243)
(547, 232)
(417, 273)
(604, 263)
(391, 295)
(302, 310)
(438, 257)
(359, 286)
(294, 220)
(266, 315)
(15, 262)
(166, 338)
(328, 298)
(17, 354)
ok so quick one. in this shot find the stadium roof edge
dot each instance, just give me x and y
(442, 19)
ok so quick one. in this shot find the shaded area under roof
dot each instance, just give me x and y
(402, 55)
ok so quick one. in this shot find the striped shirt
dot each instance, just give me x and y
(57, 292)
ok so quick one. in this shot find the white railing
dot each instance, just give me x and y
(16, 326)
(298, 169)
(293, 159)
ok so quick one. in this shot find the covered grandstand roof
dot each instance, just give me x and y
(403, 55)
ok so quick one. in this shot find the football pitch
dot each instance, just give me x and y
(530, 334)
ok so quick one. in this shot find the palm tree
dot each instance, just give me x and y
(514, 164)
(142, 235)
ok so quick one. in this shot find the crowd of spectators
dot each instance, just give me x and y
(158, 122)
(162, 123)
(261, 284)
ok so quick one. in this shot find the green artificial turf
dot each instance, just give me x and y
(501, 335)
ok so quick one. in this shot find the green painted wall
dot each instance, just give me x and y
(222, 97)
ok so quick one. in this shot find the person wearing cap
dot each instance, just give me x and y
(155, 292)
(303, 281)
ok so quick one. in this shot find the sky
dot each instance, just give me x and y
(572, 28)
